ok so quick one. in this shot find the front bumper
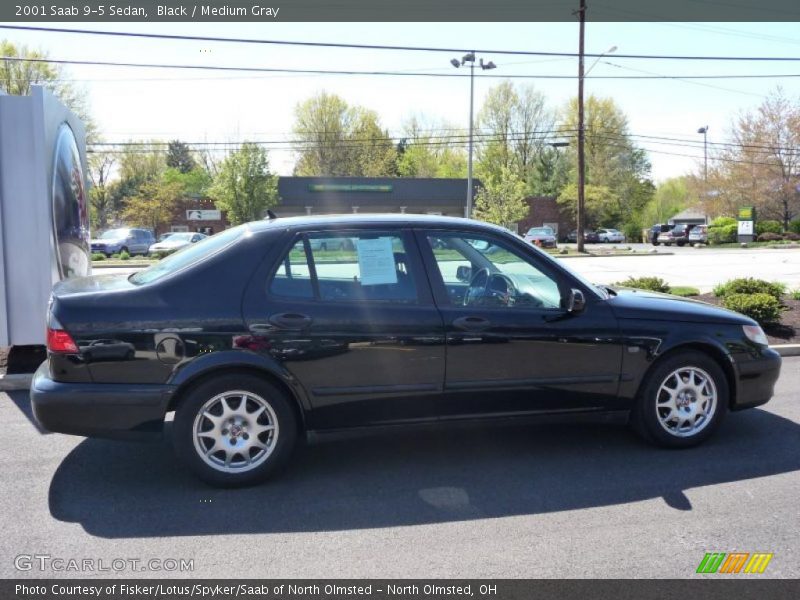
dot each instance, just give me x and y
(755, 379)
(112, 410)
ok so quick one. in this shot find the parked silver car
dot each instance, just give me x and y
(176, 241)
(541, 236)
(614, 236)
(699, 234)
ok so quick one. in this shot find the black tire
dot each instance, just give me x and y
(656, 243)
(277, 452)
(681, 244)
(647, 416)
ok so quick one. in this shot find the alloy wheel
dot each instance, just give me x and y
(686, 401)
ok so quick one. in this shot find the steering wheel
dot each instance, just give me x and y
(477, 287)
(501, 288)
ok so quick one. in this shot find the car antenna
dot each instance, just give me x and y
(271, 215)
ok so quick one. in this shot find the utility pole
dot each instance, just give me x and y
(581, 129)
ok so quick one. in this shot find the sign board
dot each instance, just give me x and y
(203, 215)
(349, 187)
(747, 213)
(376, 261)
(745, 228)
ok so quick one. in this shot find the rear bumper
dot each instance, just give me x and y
(755, 379)
(99, 409)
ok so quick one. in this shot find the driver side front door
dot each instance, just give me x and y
(512, 346)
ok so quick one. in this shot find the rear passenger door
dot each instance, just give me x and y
(350, 315)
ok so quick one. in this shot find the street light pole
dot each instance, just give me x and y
(704, 131)
(470, 58)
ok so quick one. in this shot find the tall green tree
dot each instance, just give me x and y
(179, 156)
(514, 126)
(18, 76)
(245, 186)
(501, 200)
(423, 154)
(100, 199)
(153, 205)
(340, 140)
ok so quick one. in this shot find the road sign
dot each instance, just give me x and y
(203, 215)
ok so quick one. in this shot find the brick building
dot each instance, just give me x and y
(197, 214)
(545, 211)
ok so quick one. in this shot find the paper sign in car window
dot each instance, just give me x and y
(376, 261)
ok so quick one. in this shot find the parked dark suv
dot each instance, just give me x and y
(263, 333)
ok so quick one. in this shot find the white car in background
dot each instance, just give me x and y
(176, 241)
(614, 236)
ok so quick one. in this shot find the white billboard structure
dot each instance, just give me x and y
(44, 210)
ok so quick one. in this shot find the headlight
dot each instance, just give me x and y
(755, 334)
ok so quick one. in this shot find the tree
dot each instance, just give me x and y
(136, 167)
(761, 167)
(671, 197)
(502, 200)
(615, 167)
(180, 157)
(600, 203)
(244, 186)
(514, 125)
(339, 140)
(100, 200)
(154, 204)
(18, 76)
(421, 154)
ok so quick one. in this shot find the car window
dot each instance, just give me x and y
(189, 255)
(293, 277)
(362, 267)
(480, 271)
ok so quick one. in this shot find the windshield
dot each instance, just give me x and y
(540, 231)
(182, 237)
(189, 255)
(113, 234)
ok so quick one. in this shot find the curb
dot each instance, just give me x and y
(611, 255)
(787, 349)
(10, 383)
(130, 265)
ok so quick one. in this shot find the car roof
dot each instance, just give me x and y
(394, 220)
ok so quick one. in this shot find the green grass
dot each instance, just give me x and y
(684, 291)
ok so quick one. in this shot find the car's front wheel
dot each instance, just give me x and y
(683, 401)
(234, 430)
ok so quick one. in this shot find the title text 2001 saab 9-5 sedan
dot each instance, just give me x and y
(309, 325)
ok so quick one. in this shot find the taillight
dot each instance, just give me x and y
(58, 340)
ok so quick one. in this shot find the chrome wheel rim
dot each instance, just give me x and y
(686, 401)
(235, 431)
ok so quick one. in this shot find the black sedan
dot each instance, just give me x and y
(589, 236)
(256, 336)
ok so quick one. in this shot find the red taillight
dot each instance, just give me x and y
(59, 340)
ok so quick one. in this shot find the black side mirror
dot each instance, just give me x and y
(576, 301)
(464, 273)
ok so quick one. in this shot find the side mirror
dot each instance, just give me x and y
(464, 273)
(575, 301)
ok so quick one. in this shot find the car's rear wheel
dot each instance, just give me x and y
(234, 430)
(683, 401)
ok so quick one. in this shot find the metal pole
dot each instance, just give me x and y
(581, 132)
(705, 152)
(469, 160)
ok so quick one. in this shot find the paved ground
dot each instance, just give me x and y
(701, 268)
(556, 501)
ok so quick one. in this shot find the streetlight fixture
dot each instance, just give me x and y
(470, 58)
(704, 131)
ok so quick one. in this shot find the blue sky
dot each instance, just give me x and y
(205, 106)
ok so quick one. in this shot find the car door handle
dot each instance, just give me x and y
(294, 321)
(472, 323)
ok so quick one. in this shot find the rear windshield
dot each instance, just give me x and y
(189, 255)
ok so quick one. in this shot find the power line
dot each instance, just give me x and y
(100, 63)
(198, 38)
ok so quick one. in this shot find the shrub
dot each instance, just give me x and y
(684, 291)
(768, 236)
(762, 307)
(795, 294)
(98, 256)
(722, 222)
(653, 284)
(124, 255)
(749, 285)
(725, 234)
(632, 231)
(769, 227)
(791, 236)
(794, 226)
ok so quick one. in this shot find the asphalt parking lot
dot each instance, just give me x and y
(512, 501)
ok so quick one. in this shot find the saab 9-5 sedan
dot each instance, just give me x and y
(314, 325)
